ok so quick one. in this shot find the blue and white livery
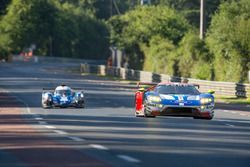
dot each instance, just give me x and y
(62, 96)
(176, 99)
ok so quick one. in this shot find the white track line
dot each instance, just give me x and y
(26, 105)
(229, 125)
(99, 147)
(128, 158)
(76, 138)
(50, 127)
(42, 123)
(60, 132)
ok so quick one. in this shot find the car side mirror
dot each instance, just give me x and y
(211, 91)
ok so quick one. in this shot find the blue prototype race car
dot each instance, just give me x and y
(62, 96)
(176, 99)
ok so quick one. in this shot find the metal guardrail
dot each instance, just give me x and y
(220, 88)
(46, 59)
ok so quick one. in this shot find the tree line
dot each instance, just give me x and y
(162, 37)
(165, 39)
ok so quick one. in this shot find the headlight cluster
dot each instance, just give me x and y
(206, 100)
(154, 98)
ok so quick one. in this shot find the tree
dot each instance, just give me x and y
(229, 40)
(58, 28)
(3, 6)
(134, 30)
(29, 22)
(194, 58)
(191, 9)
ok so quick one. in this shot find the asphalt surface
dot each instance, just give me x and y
(106, 132)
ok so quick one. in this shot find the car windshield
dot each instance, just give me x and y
(177, 89)
(63, 92)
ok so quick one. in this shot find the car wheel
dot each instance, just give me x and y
(45, 106)
(80, 105)
(206, 118)
(146, 111)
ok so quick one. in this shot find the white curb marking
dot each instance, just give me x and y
(229, 125)
(60, 132)
(50, 127)
(99, 147)
(128, 158)
(42, 123)
(76, 138)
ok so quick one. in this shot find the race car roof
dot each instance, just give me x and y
(178, 84)
(63, 87)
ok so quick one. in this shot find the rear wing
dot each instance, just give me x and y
(197, 85)
(48, 88)
(146, 85)
(53, 89)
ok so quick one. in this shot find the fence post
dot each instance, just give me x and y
(249, 76)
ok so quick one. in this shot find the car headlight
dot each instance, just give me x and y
(154, 98)
(206, 100)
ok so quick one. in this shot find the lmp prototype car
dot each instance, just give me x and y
(63, 97)
(175, 99)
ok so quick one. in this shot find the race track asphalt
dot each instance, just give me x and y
(106, 132)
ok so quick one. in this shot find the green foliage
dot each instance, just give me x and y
(202, 70)
(141, 24)
(58, 28)
(105, 9)
(229, 41)
(158, 55)
(194, 58)
(191, 9)
(3, 6)
(140, 27)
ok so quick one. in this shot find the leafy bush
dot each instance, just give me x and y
(143, 27)
(58, 28)
(229, 41)
(192, 53)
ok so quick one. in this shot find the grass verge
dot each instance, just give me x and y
(232, 100)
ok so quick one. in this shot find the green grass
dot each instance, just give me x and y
(232, 100)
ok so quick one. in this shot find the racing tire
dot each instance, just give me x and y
(146, 112)
(205, 118)
(138, 115)
(46, 106)
(80, 105)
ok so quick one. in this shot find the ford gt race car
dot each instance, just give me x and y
(62, 96)
(175, 99)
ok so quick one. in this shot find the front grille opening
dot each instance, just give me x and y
(179, 110)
